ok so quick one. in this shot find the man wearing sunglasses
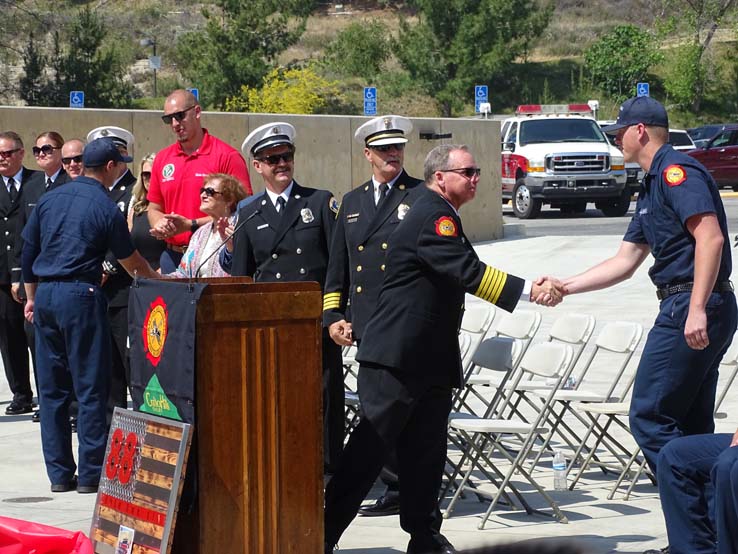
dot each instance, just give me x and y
(116, 281)
(367, 217)
(72, 157)
(13, 343)
(177, 176)
(409, 352)
(286, 237)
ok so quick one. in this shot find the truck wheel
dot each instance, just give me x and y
(618, 207)
(524, 205)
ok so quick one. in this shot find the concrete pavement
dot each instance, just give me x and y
(604, 525)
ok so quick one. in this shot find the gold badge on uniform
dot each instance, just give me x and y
(675, 175)
(307, 215)
(402, 211)
(333, 204)
(446, 227)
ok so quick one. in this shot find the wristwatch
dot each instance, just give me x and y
(194, 225)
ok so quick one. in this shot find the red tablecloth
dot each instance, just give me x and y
(25, 537)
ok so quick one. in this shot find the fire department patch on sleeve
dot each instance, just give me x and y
(675, 175)
(446, 227)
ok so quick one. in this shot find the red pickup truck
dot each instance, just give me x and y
(720, 156)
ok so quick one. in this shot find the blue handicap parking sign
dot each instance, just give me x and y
(481, 95)
(195, 92)
(643, 89)
(77, 99)
(370, 100)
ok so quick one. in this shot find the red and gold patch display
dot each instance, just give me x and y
(675, 175)
(446, 227)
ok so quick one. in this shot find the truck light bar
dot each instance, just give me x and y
(549, 109)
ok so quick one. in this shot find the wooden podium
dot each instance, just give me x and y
(258, 421)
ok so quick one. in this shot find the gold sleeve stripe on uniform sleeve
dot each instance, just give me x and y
(331, 301)
(492, 284)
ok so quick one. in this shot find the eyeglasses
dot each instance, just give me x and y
(467, 172)
(179, 116)
(387, 147)
(46, 150)
(75, 159)
(8, 153)
(147, 175)
(209, 191)
(276, 158)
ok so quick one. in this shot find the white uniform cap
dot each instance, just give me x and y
(268, 136)
(119, 135)
(386, 129)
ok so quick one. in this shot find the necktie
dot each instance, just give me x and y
(281, 203)
(11, 190)
(49, 182)
(382, 194)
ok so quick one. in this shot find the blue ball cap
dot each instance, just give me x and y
(641, 109)
(101, 151)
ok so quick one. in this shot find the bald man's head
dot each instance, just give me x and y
(182, 114)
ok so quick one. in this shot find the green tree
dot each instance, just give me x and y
(239, 44)
(620, 59)
(32, 85)
(686, 75)
(296, 91)
(458, 43)
(360, 49)
(700, 19)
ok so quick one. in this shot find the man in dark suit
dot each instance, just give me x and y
(409, 353)
(47, 152)
(116, 281)
(286, 237)
(13, 343)
(367, 217)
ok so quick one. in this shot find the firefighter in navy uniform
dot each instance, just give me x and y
(409, 353)
(116, 281)
(287, 237)
(367, 217)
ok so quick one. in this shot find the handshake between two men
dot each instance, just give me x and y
(547, 291)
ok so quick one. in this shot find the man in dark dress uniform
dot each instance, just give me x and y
(367, 217)
(286, 236)
(409, 354)
(116, 281)
(13, 342)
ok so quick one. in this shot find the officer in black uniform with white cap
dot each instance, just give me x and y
(116, 281)
(367, 217)
(286, 237)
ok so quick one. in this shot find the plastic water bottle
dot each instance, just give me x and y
(559, 470)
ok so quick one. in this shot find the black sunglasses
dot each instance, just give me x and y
(8, 153)
(179, 116)
(209, 191)
(388, 147)
(146, 174)
(75, 159)
(47, 150)
(467, 172)
(275, 159)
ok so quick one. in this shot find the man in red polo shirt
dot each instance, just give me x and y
(177, 175)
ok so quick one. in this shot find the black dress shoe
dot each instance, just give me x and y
(36, 416)
(664, 550)
(384, 506)
(65, 487)
(17, 407)
(87, 489)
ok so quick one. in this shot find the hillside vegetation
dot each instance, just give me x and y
(304, 36)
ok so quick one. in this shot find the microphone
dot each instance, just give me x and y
(214, 252)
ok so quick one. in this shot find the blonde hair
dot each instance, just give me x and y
(139, 202)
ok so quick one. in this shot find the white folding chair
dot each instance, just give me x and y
(482, 436)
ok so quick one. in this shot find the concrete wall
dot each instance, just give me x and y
(327, 156)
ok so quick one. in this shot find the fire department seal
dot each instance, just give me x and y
(675, 175)
(155, 328)
(307, 215)
(446, 227)
(402, 210)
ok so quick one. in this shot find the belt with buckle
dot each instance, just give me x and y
(667, 291)
(177, 248)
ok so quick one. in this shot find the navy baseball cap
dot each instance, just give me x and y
(641, 109)
(101, 151)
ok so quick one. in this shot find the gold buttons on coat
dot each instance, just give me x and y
(358, 289)
(384, 246)
(361, 248)
(382, 267)
(358, 268)
(275, 256)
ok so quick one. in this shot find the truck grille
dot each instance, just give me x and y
(577, 163)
